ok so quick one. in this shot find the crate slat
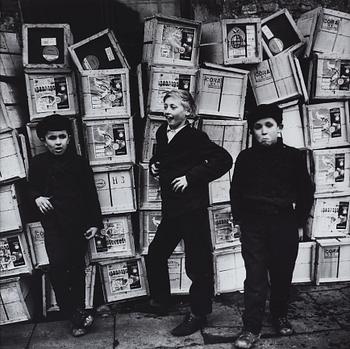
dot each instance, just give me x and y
(180, 283)
(153, 122)
(35, 236)
(304, 269)
(9, 209)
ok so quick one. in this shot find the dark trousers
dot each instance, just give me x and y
(269, 246)
(194, 229)
(66, 252)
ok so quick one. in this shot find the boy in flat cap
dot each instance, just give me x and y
(271, 196)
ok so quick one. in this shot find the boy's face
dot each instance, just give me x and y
(266, 131)
(57, 142)
(175, 112)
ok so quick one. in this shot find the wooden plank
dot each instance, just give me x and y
(180, 283)
(35, 236)
(304, 269)
(293, 132)
(9, 209)
(153, 122)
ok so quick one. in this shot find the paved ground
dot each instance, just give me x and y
(320, 315)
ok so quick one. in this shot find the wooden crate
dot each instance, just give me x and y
(332, 170)
(36, 146)
(10, 55)
(232, 41)
(278, 79)
(90, 278)
(221, 91)
(9, 209)
(180, 283)
(304, 270)
(46, 46)
(115, 239)
(293, 131)
(280, 33)
(231, 135)
(11, 161)
(229, 271)
(5, 122)
(98, 52)
(115, 188)
(327, 124)
(35, 236)
(166, 78)
(332, 32)
(106, 92)
(333, 260)
(329, 77)
(330, 217)
(306, 24)
(109, 140)
(149, 189)
(223, 233)
(14, 256)
(149, 222)
(51, 93)
(171, 40)
(16, 300)
(153, 122)
(12, 98)
(123, 279)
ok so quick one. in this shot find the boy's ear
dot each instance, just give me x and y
(280, 126)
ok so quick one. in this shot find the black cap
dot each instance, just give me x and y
(53, 122)
(263, 111)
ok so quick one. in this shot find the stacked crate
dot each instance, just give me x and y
(327, 134)
(109, 143)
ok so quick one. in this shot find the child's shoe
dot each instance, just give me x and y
(283, 326)
(246, 340)
(81, 322)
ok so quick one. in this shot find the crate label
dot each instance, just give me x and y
(48, 41)
(106, 91)
(331, 168)
(330, 23)
(11, 253)
(241, 41)
(91, 62)
(331, 252)
(333, 215)
(153, 189)
(109, 53)
(112, 238)
(326, 123)
(267, 32)
(343, 213)
(152, 222)
(109, 140)
(51, 94)
(212, 82)
(223, 227)
(176, 42)
(335, 75)
(124, 276)
(262, 75)
(50, 53)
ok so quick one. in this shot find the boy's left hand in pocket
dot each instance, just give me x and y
(90, 233)
(179, 183)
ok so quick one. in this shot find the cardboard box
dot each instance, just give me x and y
(14, 256)
(115, 188)
(304, 269)
(115, 240)
(9, 209)
(333, 260)
(153, 122)
(16, 300)
(35, 235)
(180, 283)
(171, 41)
(280, 33)
(123, 279)
(232, 41)
(109, 141)
(45, 46)
(98, 52)
(332, 170)
(229, 271)
(327, 124)
(221, 91)
(106, 93)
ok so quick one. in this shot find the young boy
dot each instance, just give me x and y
(63, 188)
(271, 196)
(185, 162)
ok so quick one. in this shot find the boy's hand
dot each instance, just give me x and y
(155, 169)
(180, 183)
(90, 233)
(301, 234)
(43, 203)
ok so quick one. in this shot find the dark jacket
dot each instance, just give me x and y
(271, 181)
(193, 154)
(69, 181)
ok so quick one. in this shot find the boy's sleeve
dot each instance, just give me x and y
(35, 179)
(235, 190)
(216, 161)
(94, 215)
(305, 191)
(155, 156)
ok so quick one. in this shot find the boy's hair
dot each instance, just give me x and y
(263, 111)
(186, 100)
(53, 122)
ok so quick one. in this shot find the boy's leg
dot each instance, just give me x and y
(162, 246)
(254, 252)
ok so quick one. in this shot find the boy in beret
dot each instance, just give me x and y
(271, 196)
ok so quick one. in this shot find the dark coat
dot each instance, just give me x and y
(69, 181)
(192, 154)
(270, 181)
